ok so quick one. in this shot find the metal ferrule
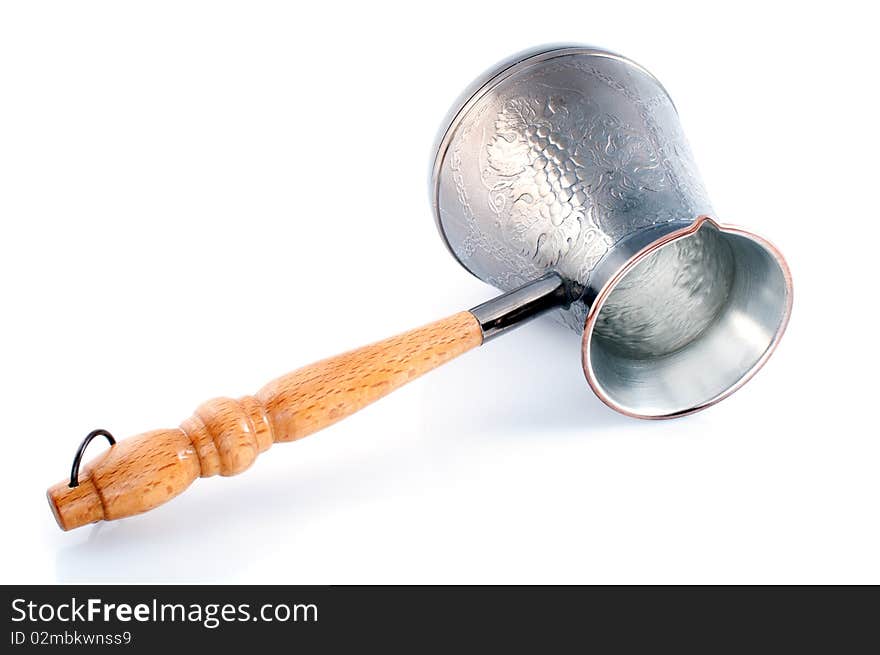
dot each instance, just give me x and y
(521, 305)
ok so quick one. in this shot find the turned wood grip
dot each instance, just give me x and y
(224, 436)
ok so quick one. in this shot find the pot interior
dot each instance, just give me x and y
(688, 323)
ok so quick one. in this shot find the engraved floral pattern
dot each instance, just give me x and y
(551, 172)
(537, 190)
(622, 164)
(509, 207)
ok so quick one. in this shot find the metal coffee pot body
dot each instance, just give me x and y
(571, 161)
(562, 178)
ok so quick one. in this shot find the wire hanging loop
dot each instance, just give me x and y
(74, 470)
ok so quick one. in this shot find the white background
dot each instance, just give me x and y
(198, 197)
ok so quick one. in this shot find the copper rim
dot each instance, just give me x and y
(639, 256)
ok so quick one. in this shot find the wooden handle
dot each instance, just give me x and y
(225, 435)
